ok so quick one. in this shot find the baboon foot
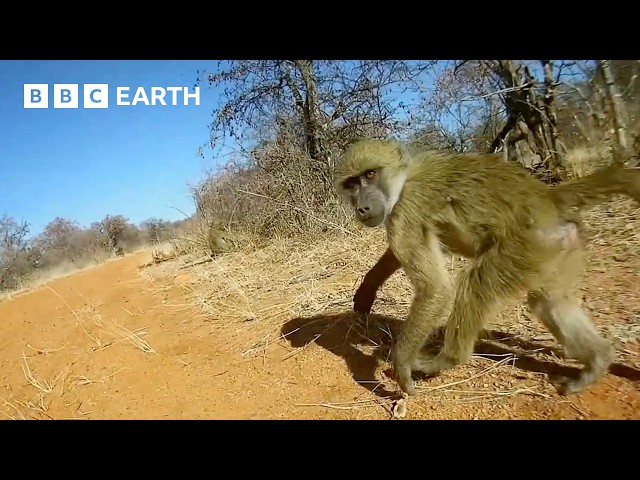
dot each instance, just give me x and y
(567, 385)
(433, 366)
(593, 371)
(424, 367)
(571, 385)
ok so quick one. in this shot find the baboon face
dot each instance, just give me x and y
(372, 176)
(366, 193)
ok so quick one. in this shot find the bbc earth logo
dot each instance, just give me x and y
(96, 95)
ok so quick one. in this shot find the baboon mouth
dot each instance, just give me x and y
(372, 221)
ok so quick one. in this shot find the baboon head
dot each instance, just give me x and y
(371, 176)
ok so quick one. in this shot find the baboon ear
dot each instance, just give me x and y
(405, 156)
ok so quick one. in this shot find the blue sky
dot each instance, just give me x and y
(83, 164)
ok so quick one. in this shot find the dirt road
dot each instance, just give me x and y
(110, 343)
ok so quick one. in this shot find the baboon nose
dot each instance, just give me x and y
(363, 210)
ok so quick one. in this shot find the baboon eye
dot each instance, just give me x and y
(349, 183)
(370, 174)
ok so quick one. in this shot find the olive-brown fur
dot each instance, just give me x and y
(522, 235)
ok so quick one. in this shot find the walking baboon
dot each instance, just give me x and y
(522, 235)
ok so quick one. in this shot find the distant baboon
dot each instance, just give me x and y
(216, 241)
(522, 235)
(220, 241)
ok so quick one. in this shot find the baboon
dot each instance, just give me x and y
(219, 241)
(522, 236)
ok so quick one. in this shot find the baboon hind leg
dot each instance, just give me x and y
(558, 309)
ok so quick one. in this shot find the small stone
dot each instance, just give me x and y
(400, 408)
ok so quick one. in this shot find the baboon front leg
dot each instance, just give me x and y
(425, 268)
(479, 290)
(366, 293)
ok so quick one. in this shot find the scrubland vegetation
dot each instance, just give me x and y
(288, 121)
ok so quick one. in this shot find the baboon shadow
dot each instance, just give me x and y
(342, 334)
(495, 342)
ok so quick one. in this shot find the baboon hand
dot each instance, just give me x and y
(363, 299)
(402, 371)
(404, 380)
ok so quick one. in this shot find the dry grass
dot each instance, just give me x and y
(133, 337)
(42, 385)
(288, 277)
(259, 290)
(291, 278)
(444, 392)
(584, 160)
(112, 328)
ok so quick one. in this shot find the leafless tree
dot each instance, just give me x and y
(619, 114)
(17, 259)
(290, 119)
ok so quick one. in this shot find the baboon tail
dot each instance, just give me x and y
(599, 186)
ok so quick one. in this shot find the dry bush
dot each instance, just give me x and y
(302, 113)
(279, 192)
(190, 243)
(17, 259)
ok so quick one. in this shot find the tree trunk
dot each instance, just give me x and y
(550, 112)
(618, 110)
(523, 104)
(310, 109)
